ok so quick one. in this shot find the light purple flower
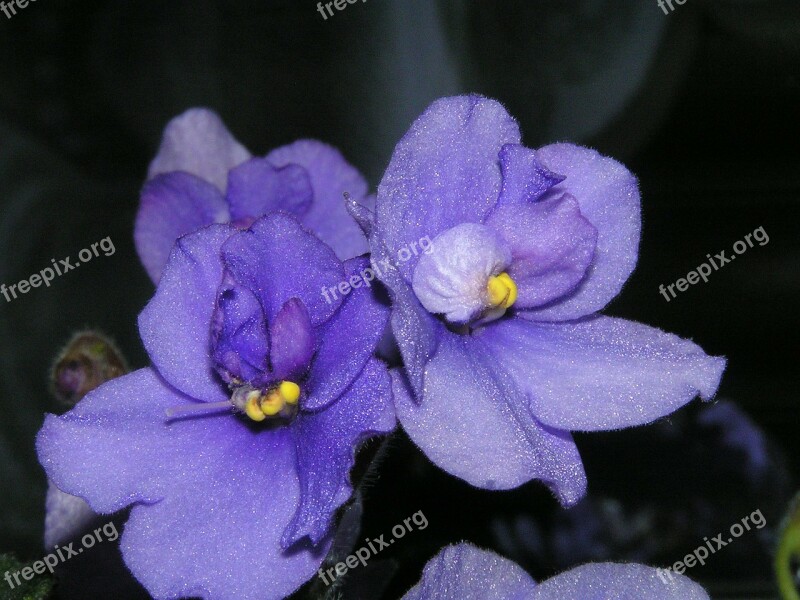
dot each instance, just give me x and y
(202, 175)
(504, 353)
(270, 388)
(464, 572)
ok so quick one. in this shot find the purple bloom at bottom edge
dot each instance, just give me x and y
(464, 572)
(272, 389)
(498, 258)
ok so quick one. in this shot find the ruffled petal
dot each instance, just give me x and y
(525, 178)
(175, 326)
(612, 581)
(445, 171)
(171, 206)
(464, 572)
(331, 176)
(279, 260)
(239, 336)
(348, 340)
(552, 246)
(608, 195)
(199, 143)
(256, 188)
(200, 483)
(601, 373)
(326, 444)
(478, 427)
(292, 341)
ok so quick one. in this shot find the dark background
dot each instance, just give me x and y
(702, 104)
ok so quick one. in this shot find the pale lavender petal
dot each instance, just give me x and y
(279, 260)
(66, 516)
(525, 178)
(198, 142)
(601, 373)
(171, 206)
(331, 176)
(326, 444)
(478, 427)
(612, 581)
(116, 448)
(257, 187)
(348, 340)
(445, 171)
(552, 246)
(292, 341)
(608, 196)
(175, 326)
(464, 572)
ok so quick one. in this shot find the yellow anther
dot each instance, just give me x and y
(290, 391)
(502, 290)
(252, 408)
(272, 403)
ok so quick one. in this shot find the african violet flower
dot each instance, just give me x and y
(269, 389)
(464, 572)
(504, 353)
(202, 175)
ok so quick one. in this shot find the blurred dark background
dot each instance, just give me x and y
(702, 103)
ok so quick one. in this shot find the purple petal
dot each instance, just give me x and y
(256, 188)
(604, 581)
(525, 178)
(445, 171)
(477, 427)
(331, 176)
(464, 572)
(602, 373)
(239, 337)
(171, 206)
(200, 483)
(348, 340)
(175, 326)
(608, 195)
(279, 260)
(292, 341)
(198, 142)
(552, 245)
(326, 444)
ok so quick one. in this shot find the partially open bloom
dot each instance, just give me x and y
(504, 351)
(202, 175)
(464, 572)
(235, 446)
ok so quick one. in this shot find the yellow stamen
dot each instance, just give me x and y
(272, 403)
(502, 290)
(251, 407)
(290, 391)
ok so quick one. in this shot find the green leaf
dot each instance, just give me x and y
(38, 588)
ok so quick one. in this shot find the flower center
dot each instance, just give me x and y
(502, 290)
(278, 402)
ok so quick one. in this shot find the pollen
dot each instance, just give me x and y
(252, 406)
(502, 290)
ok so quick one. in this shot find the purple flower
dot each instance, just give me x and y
(202, 175)
(270, 389)
(496, 319)
(464, 572)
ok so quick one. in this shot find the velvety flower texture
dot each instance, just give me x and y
(270, 388)
(464, 572)
(202, 175)
(504, 353)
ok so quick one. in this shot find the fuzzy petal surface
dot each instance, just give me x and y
(257, 187)
(601, 373)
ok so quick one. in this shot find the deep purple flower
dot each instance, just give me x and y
(496, 320)
(464, 572)
(270, 389)
(202, 175)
